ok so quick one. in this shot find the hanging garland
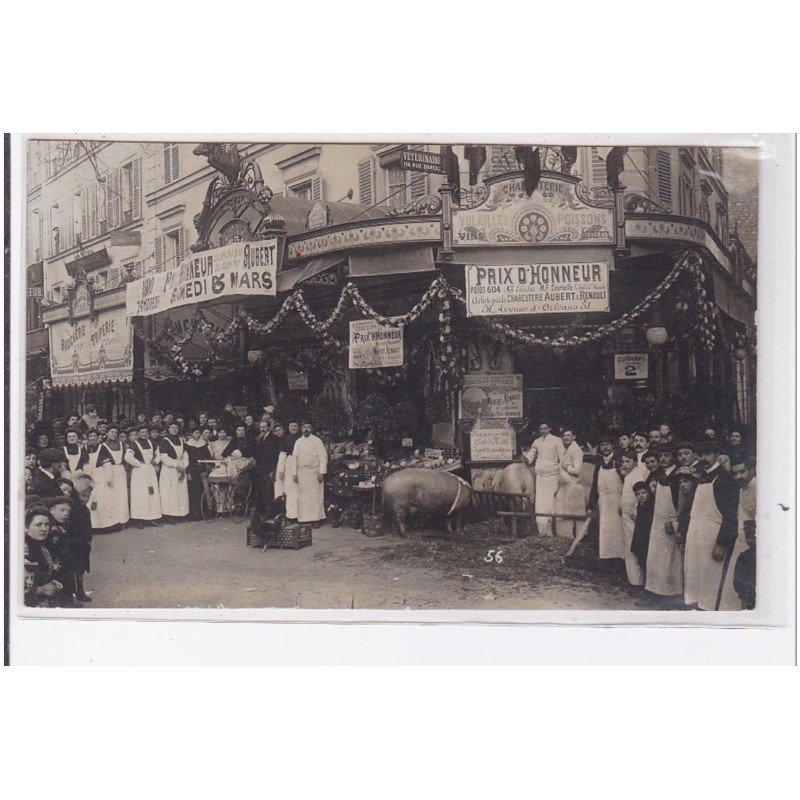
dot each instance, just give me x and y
(449, 356)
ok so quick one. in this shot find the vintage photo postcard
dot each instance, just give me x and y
(318, 378)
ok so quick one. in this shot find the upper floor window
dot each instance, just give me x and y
(308, 187)
(664, 172)
(124, 194)
(686, 196)
(172, 168)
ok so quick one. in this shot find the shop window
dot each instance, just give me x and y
(172, 166)
(306, 188)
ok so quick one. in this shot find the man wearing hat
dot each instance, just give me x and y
(45, 476)
(712, 532)
(664, 555)
(604, 499)
(308, 472)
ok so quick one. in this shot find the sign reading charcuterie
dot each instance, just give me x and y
(373, 345)
(537, 289)
(240, 268)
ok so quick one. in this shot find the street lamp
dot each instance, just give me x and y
(657, 335)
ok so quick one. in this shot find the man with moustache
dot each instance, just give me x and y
(712, 532)
(310, 467)
(741, 584)
(604, 500)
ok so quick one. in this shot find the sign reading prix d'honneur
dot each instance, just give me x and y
(373, 346)
(537, 289)
(241, 268)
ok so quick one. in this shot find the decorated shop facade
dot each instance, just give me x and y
(454, 324)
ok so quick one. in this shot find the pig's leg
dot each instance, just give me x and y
(400, 522)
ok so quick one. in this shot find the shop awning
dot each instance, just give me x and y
(290, 278)
(731, 302)
(36, 343)
(417, 258)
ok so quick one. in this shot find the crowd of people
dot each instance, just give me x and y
(86, 475)
(676, 517)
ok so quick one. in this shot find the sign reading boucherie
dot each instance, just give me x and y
(537, 289)
(241, 268)
(373, 345)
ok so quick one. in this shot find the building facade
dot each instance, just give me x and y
(103, 214)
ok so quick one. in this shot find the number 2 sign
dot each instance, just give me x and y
(630, 367)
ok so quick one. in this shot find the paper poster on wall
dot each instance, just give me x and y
(491, 396)
(630, 367)
(492, 444)
(373, 346)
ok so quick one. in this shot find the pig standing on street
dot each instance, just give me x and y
(413, 490)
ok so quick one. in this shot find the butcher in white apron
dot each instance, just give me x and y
(664, 555)
(75, 454)
(310, 467)
(545, 454)
(172, 483)
(570, 499)
(109, 501)
(605, 498)
(145, 499)
(711, 535)
(284, 484)
(743, 471)
(632, 473)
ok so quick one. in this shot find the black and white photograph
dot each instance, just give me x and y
(389, 376)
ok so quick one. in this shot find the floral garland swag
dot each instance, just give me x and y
(449, 356)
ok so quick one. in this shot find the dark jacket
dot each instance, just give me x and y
(79, 537)
(43, 485)
(726, 496)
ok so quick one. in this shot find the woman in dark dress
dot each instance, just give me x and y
(79, 533)
(40, 585)
(197, 449)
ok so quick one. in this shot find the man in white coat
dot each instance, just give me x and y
(545, 454)
(308, 472)
(145, 499)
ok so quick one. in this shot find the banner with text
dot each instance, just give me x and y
(241, 268)
(373, 345)
(493, 440)
(537, 289)
(92, 350)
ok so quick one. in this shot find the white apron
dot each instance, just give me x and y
(633, 568)
(174, 487)
(111, 501)
(546, 488)
(286, 466)
(703, 575)
(310, 490)
(609, 491)
(570, 498)
(145, 500)
(664, 557)
(72, 461)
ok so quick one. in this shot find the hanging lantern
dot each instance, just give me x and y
(657, 335)
(254, 356)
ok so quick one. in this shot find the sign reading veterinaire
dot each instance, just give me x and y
(537, 289)
(241, 268)
(373, 346)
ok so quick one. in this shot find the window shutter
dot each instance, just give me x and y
(159, 254)
(366, 182)
(316, 187)
(418, 185)
(167, 163)
(137, 269)
(113, 278)
(136, 189)
(181, 245)
(664, 172)
(85, 234)
(112, 199)
(176, 171)
(501, 159)
(93, 232)
(599, 176)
